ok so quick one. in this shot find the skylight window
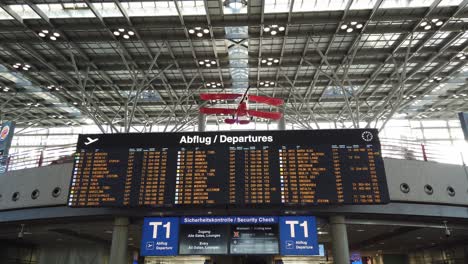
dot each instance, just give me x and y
(406, 3)
(163, 8)
(278, 6)
(75, 6)
(450, 2)
(58, 11)
(362, 4)
(4, 15)
(318, 5)
(24, 11)
(282, 6)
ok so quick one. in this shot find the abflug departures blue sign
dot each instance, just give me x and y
(298, 236)
(160, 236)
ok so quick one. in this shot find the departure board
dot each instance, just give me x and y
(237, 169)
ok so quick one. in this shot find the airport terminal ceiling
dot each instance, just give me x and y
(134, 63)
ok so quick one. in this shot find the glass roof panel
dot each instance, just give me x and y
(450, 2)
(318, 5)
(406, 3)
(282, 6)
(277, 6)
(25, 12)
(362, 4)
(4, 15)
(164, 8)
(57, 11)
(140, 9)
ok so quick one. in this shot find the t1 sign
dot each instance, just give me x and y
(160, 236)
(298, 236)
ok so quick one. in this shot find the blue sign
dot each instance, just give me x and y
(298, 236)
(229, 220)
(160, 236)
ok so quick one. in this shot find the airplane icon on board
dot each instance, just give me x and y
(90, 141)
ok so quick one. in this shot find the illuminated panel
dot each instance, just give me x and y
(234, 169)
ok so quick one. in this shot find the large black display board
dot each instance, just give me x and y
(288, 168)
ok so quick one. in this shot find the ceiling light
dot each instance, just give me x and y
(124, 33)
(427, 27)
(439, 23)
(23, 66)
(270, 61)
(198, 31)
(274, 29)
(201, 62)
(463, 57)
(434, 20)
(49, 34)
(423, 24)
(350, 27)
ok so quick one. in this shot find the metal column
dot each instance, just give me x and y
(339, 240)
(118, 254)
(282, 121)
(201, 122)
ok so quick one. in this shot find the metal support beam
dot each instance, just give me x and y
(118, 253)
(339, 240)
(201, 122)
